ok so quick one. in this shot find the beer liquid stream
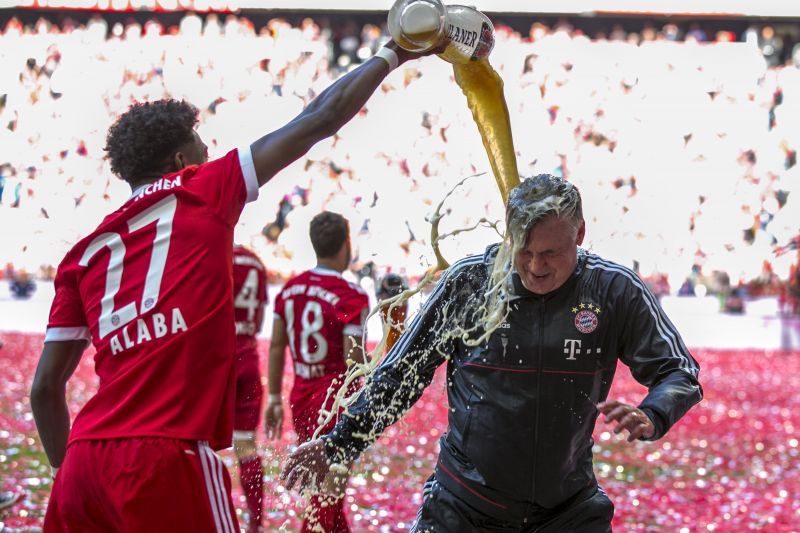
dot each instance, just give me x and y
(483, 88)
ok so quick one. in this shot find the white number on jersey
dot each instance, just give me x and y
(309, 328)
(247, 298)
(162, 213)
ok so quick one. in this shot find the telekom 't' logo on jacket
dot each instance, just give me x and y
(572, 347)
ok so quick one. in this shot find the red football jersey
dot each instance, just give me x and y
(318, 308)
(249, 295)
(152, 289)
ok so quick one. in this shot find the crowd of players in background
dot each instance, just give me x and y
(685, 149)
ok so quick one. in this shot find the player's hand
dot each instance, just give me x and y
(628, 418)
(307, 466)
(273, 420)
(404, 55)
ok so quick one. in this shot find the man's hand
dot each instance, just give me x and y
(629, 418)
(307, 467)
(273, 420)
(404, 55)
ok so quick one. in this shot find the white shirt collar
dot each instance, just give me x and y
(138, 191)
(325, 271)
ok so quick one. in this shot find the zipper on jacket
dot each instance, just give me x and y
(538, 395)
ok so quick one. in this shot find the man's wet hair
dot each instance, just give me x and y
(139, 143)
(328, 232)
(537, 197)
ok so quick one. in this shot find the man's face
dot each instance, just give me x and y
(194, 152)
(549, 256)
(198, 153)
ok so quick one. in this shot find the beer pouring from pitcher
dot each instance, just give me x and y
(467, 36)
(421, 25)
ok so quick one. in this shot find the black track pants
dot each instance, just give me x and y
(590, 511)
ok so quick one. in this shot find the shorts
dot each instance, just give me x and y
(249, 392)
(307, 398)
(141, 484)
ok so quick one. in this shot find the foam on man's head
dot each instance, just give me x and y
(539, 196)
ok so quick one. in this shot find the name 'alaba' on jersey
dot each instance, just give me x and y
(151, 288)
(318, 308)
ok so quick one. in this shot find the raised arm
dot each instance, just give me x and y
(323, 117)
(394, 387)
(48, 395)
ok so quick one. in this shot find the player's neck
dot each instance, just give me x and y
(153, 176)
(330, 264)
(146, 180)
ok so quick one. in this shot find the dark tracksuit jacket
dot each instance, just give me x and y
(522, 404)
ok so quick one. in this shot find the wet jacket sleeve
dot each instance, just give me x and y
(657, 357)
(397, 383)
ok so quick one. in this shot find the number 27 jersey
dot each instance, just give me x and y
(318, 308)
(152, 288)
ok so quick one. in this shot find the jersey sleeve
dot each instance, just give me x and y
(263, 294)
(227, 183)
(654, 351)
(67, 321)
(351, 312)
(278, 310)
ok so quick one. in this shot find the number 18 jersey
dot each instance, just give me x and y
(318, 308)
(151, 287)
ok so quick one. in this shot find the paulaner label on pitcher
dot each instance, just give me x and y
(470, 35)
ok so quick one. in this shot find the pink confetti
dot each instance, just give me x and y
(732, 464)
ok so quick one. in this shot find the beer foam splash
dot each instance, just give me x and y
(450, 325)
(485, 311)
(355, 371)
(536, 198)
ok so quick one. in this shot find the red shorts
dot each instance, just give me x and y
(306, 400)
(141, 484)
(249, 391)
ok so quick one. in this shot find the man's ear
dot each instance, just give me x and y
(179, 160)
(581, 233)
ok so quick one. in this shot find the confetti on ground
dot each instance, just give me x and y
(732, 464)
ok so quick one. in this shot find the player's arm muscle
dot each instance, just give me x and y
(48, 395)
(323, 117)
(277, 354)
(259, 320)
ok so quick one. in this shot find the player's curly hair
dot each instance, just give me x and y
(145, 135)
(328, 232)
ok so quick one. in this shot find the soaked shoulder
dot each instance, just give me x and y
(470, 271)
(597, 270)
